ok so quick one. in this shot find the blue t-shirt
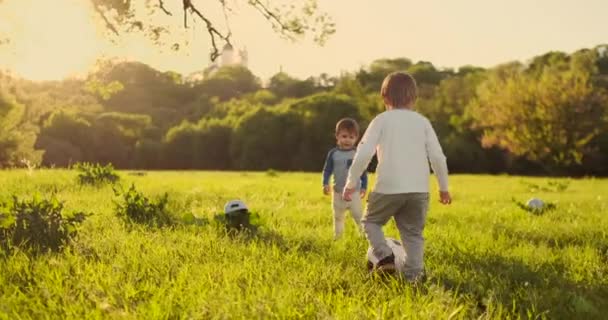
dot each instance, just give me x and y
(337, 163)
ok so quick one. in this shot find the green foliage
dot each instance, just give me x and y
(148, 154)
(370, 104)
(425, 73)
(96, 174)
(371, 78)
(283, 86)
(135, 207)
(39, 225)
(251, 146)
(66, 138)
(17, 137)
(104, 90)
(297, 133)
(130, 125)
(265, 97)
(190, 219)
(272, 173)
(109, 137)
(446, 110)
(205, 145)
(115, 136)
(181, 146)
(144, 90)
(546, 116)
(549, 116)
(550, 186)
(229, 82)
(318, 115)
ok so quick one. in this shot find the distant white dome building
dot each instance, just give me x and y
(244, 57)
(231, 57)
(228, 57)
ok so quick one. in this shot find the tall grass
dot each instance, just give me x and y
(486, 257)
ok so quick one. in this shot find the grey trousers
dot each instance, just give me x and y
(409, 211)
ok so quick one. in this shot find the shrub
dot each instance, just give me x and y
(135, 207)
(37, 224)
(96, 174)
(272, 173)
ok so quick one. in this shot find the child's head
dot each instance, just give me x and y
(399, 91)
(347, 133)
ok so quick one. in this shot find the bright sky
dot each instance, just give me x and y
(51, 39)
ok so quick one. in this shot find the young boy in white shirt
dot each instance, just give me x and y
(404, 142)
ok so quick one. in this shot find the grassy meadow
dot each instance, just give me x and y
(486, 257)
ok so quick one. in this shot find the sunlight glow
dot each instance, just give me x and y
(54, 39)
(45, 44)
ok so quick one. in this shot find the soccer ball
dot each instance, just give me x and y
(398, 251)
(236, 215)
(535, 204)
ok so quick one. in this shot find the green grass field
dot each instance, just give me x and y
(486, 257)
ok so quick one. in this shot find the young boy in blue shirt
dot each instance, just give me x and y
(339, 160)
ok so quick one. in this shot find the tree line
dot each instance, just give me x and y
(546, 116)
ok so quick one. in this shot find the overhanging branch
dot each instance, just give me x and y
(109, 25)
(283, 24)
(161, 4)
(268, 14)
(213, 32)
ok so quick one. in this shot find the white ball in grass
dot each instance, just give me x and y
(535, 203)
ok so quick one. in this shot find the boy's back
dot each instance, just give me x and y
(404, 141)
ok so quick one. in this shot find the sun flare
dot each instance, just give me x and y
(49, 40)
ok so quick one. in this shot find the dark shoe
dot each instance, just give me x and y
(386, 265)
(418, 279)
(370, 266)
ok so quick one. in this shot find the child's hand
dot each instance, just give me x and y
(326, 190)
(444, 197)
(362, 193)
(347, 194)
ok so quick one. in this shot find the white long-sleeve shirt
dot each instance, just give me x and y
(405, 142)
